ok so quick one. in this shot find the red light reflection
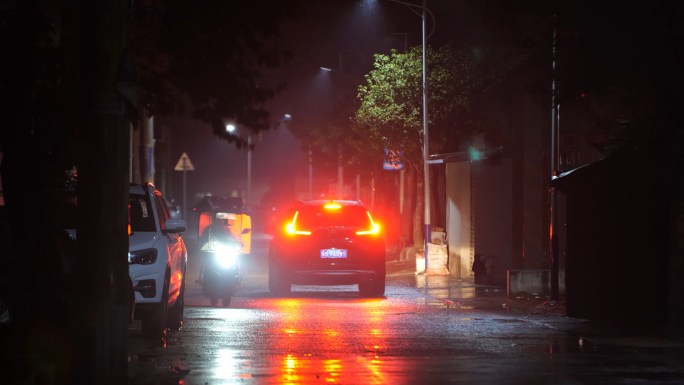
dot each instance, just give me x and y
(327, 350)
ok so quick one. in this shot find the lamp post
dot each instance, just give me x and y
(553, 198)
(248, 198)
(231, 128)
(426, 137)
(340, 167)
(310, 173)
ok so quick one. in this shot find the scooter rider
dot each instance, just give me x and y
(214, 233)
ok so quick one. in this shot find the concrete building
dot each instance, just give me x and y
(498, 206)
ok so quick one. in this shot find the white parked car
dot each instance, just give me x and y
(157, 259)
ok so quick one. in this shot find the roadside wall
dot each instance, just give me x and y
(493, 216)
(458, 216)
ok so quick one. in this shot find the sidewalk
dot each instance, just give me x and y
(463, 294)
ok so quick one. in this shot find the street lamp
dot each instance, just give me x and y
(424, 11)
(231, 128)
(288, 118)
(340, 167)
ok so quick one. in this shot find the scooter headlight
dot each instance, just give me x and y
(226, 255)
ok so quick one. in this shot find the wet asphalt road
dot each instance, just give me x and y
(420, 333)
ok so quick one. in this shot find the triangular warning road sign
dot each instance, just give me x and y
(184, 164)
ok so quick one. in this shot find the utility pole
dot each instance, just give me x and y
(340, 176)
(553, 194)
(184, 165)
(147, 146)
(424, 11)
(310, 173)
(248, 197)
(426, 139)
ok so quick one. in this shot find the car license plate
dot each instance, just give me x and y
(333, 253)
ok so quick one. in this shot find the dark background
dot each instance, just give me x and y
(319, 34)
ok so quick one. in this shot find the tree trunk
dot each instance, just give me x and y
(135, 149)
(34, 234)
(32, 268)
(101, 270)
(102, 265)
(81, 335)
(146, 130)
(418, 222)
(143, 147)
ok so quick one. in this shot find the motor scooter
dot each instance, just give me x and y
(224, 234)
(221, 274)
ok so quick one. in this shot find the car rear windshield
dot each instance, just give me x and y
(141, 214)
(347, 216)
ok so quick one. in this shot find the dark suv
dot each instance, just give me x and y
(328, 243)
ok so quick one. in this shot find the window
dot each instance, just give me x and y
(317, 216)
(142, 216)
(162, 209)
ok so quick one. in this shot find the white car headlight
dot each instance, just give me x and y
(142, 257)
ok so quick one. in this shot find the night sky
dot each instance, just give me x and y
(322, 33)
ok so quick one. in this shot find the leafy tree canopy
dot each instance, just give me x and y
(390, 114)
(201, 58)
(208, 55)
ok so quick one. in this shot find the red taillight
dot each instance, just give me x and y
(292, 229)
(129, 219)
(374, 229)
(332, 206)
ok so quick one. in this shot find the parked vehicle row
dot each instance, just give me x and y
(157, 259)
(321, 243)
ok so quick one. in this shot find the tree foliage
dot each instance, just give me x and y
(391, 110)
(390, 114)
(206, 57)
(62, 63)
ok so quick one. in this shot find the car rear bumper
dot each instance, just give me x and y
(333, 277)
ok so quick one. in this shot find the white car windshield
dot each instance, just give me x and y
(140, 213)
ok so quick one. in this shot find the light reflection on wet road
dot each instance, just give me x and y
(331, 335)
(291, 341)
(319, 337)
